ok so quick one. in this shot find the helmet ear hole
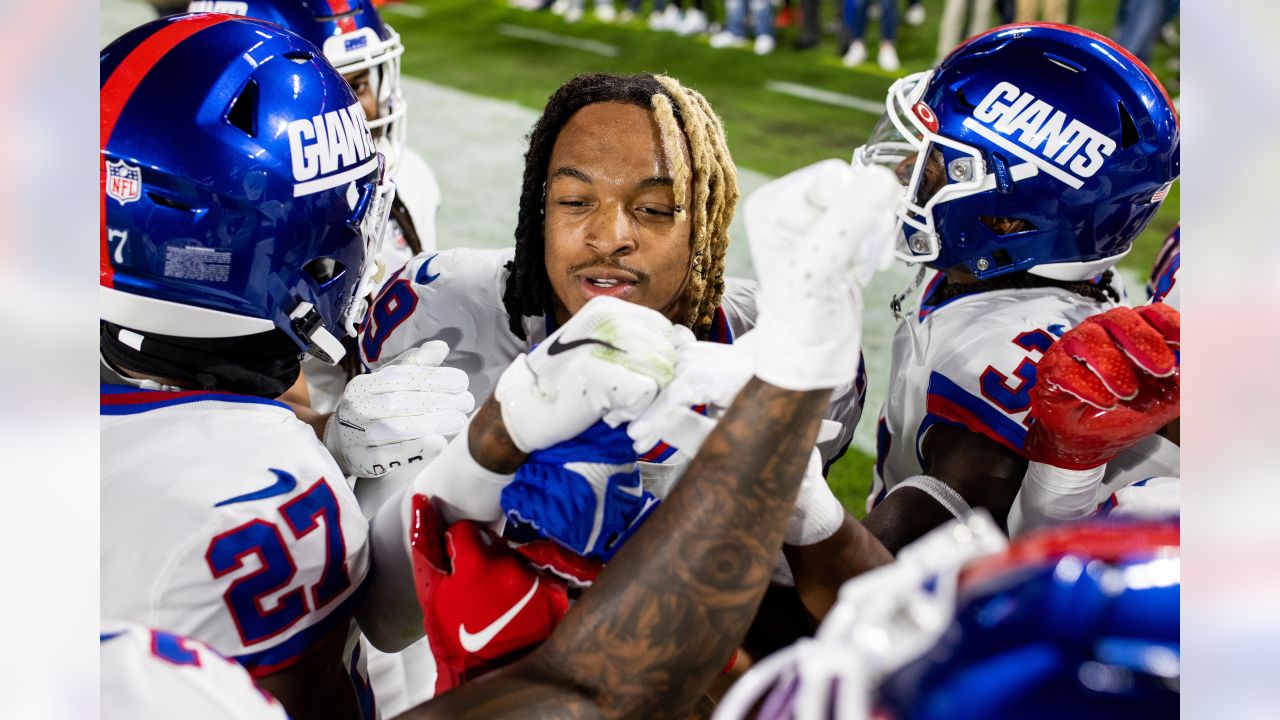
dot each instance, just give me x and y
(1128, 129)
(1006, 225)
(243, 112)
(324, 270)
(169, 202)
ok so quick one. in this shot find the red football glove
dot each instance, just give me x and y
(483, 605)
(1106, 384)
(550, 556)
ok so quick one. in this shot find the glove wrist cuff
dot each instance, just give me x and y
(798, 360)
(466, 489)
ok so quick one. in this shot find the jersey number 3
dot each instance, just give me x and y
(996, 386)
(246, 598)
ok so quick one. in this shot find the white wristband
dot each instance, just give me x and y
(943, 493)
(817, 514)
(1053, 495)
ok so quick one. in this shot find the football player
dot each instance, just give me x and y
(628, 192)
(150, 674)
(243, 202)
(366, 50)
(667, 612)
(1031, 157)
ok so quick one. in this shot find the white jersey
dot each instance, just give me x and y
(416, 186)
(225, 519)
(456, 296)
(154, 675)
(975, 369)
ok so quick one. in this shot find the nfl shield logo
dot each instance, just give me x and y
(124, 182)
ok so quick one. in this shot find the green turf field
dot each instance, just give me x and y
(488, 49)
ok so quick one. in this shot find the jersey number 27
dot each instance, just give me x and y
(246, 596)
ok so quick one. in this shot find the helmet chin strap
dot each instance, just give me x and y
(895, 306)
(308, 324)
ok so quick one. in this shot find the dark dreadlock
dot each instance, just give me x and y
(678, 111)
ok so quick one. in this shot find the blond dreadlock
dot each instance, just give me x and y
(680, 112)
(715, 193)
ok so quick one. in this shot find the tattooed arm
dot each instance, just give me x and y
(665, 615)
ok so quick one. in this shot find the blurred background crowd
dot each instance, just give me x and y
(864, 30)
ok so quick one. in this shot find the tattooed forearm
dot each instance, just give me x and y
(665, 615)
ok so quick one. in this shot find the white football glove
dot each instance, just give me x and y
(707, 373)
(817, 235)
(403, 413)
(607, 362)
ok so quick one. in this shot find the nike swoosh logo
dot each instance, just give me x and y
(474, 642)
(424, 277)
(285, 483)
(558, 347)
(598, 475)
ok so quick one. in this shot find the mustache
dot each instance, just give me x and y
(602, 262)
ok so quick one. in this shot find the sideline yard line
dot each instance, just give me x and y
(405, 9)
(547, 38)
(825, 97)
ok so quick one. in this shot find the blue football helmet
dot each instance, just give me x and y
(241, 189)
(1072, 622)
(353, 38)
(1034, 147)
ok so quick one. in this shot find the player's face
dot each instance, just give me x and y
(366, 93)
(610, 213)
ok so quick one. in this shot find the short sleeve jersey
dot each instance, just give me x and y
(225, 519)
(151, 674)
(974, 368)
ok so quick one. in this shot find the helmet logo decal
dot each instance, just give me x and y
(124, 182)
(229, 7)
(1065, 148)
(330, 150)
(926, 115)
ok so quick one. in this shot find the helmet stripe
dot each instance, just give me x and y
(116, 92)
(346, 23)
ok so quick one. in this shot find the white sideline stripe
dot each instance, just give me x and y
(825, 97)
(1023, 153)
(400, 8)
(333, 181)
(542, 36)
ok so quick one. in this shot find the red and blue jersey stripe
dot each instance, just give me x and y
(127, 400)
(949, 403)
